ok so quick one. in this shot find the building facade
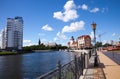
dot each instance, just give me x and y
(3, 39)
(72, 44)
(12, 35)
(83, 41)
(52, 44)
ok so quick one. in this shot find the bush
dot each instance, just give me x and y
(7, 53)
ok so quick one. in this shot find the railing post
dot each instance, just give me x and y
(89, 54)
(82, 64)
(92, 51)
(78, 67)
(83, 58)
(59, 70)
(86, 60)
(75, 67)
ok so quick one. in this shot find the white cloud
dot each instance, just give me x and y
(104, 10)
(104, 42)
(0, 35)
(114, 34)
(76, 26)
(28, 43)
(69, 5)
(47, 28)
(79, 6)
(94, 10)
(0, 40)
(41, 34)
(55, 39)
(70, 12)
(84, 7)
(92, 35)
(60, 36)
(43, 40)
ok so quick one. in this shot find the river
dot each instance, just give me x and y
(32, 65)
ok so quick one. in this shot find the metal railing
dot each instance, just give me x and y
(71, 70)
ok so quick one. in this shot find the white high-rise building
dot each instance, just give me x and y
(3, 39)
(12, 35)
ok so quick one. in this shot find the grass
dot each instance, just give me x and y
(8, 53)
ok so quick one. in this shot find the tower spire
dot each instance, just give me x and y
(39, 42)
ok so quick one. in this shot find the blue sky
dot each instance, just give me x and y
(58, 20)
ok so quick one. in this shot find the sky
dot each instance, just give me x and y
(58, 20)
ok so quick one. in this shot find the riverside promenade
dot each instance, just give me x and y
(107, 69)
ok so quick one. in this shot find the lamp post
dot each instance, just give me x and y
(95, 52)
(119, 40)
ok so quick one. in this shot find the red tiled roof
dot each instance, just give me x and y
(68, 43)
(84, 36)
(118, 45)
(75, 42)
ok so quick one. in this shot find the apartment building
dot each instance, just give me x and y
(12, 35)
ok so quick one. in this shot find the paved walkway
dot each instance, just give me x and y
(89, 72)
(107, 69)
(115, 56)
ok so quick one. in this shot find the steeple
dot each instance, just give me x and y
(72, 38)
(39, 42)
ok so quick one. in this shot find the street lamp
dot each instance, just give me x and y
(95, 52)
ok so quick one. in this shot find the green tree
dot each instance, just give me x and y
(106, 44)
(98, 44)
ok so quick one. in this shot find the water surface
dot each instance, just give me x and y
(32, 65)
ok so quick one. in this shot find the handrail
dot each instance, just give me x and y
(71, 70)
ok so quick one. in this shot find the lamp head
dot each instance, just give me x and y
(93, 26)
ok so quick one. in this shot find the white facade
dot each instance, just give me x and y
(72, 44)
(84, 41)
(13, 34)
(81, 42)
(51, 44)
(3, 38)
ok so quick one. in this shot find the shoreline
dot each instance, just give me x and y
(43, 50)
(7, 53)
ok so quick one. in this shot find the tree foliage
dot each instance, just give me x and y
(43, 47)
(106, 44)
(98, 44)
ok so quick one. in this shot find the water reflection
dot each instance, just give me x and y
(30, 66)
(11, 67)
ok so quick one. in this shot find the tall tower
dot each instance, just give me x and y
(72, 40)
(39, 42)
(13, 34)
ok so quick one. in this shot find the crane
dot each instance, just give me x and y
(101, 35)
